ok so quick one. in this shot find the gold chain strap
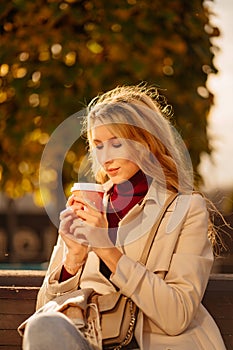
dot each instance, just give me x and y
(130, 329)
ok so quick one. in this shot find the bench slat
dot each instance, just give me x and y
(18, 292)
(12, 321)
(18, 300)
(10, 337)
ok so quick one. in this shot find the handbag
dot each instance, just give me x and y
(117, 319)
(118, 313)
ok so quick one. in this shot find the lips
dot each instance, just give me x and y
(112, 171)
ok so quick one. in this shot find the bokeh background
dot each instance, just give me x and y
(55, 56)
(218, 170)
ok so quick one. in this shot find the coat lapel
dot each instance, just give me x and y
(137, 225)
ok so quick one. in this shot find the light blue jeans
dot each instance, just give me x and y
(53, 331)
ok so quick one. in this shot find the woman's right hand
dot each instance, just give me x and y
(77, 250)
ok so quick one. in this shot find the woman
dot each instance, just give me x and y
(141, 160)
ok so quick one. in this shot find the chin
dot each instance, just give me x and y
(117, 180)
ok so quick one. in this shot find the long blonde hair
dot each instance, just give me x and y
(141, 114)
(134, 113)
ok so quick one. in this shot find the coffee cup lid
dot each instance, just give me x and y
(86, 186)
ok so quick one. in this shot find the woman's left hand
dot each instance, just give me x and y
(91, 224)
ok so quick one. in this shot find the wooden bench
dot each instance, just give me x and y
(18, 291)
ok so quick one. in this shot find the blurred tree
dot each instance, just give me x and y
(55, 55)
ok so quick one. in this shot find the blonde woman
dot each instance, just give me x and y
(140, 159)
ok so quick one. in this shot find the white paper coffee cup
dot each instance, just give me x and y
(91, 192)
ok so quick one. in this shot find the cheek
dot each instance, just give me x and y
(129, 166)
(96, 154)
(134, 169)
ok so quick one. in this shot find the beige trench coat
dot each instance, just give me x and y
(169, 290)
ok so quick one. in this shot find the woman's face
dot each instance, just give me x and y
(112, 154)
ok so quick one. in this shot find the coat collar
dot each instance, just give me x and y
(155, 192)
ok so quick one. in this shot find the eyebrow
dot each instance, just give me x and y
(111, 138)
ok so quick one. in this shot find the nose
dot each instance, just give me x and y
(104, 156)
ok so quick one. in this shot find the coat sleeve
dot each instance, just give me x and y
(171, 303)
(51, 287)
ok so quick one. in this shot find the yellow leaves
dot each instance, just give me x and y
(26, 185)
(168, 70)
(24, 168)
(167, 67)
(56, 50)
(36, 76)
(37, 120)
(13, 190)
(56, 54)
(44, 55)
(34, 100)
(3, 96)
(29, 176)
(94, 47)
(70, 58)
(16, 70)
(70, 157)
(63, 6)
(67, 189)
(76, 166)
(41, 197)
(116, 28)
(8, 26)
(10, 189)
(48, 176)
(44, 138)
(19, 72)
(4, 69)
(37, 136)
(89, 27)
(23, 56)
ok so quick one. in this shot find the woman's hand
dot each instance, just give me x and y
(91, 225)
(77, 250)
(87, 226)
(94, 229)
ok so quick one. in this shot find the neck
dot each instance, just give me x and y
(138, 183)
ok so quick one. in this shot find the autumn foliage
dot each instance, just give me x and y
(57, 55)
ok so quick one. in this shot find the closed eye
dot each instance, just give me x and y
(116, 145)
(114, 142)
(99, 146)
